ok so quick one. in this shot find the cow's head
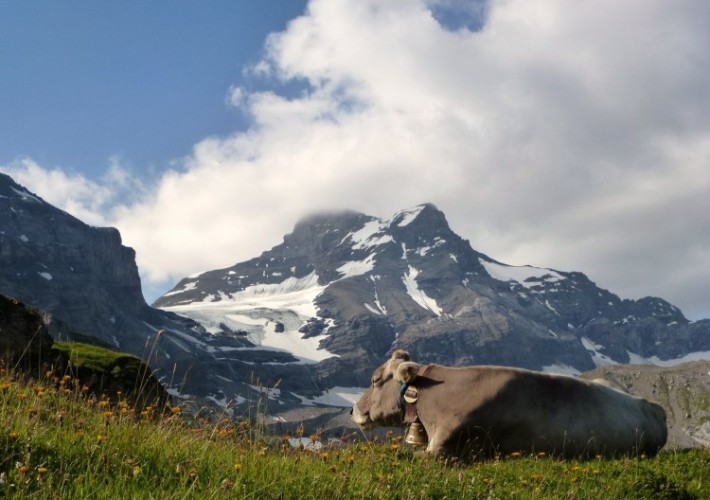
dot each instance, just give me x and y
(381, 404)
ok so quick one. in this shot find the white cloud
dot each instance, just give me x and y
(575, 138)
(235, 97)
(89, 200)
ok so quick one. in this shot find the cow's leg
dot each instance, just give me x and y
(435, 449)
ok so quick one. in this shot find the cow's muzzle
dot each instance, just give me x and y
(361, 419)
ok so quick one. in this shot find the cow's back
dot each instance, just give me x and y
(490, 410)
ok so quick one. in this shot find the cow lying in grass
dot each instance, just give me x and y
(484, 411)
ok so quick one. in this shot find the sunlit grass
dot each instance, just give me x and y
(56, 441)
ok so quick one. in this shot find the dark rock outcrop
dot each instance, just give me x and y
(24, 340)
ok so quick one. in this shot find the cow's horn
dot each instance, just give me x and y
(400, 354)
(406, 372)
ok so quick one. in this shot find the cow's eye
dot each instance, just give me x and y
(376, 382)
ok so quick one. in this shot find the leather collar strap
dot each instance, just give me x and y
(411, 393)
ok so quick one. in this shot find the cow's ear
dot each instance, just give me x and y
(406, 372)
(401, 354)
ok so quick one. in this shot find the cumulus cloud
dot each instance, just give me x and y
(572, 137)
(89, 200)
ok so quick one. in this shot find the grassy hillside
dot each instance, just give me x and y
(57, 442)
(110, 372)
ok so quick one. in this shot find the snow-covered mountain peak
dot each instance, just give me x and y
(372, 233)
(344, 289)
(405, 217)
(382, 258)
(376, 231)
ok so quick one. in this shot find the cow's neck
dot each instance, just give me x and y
(409, 395)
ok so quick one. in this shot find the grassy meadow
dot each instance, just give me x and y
(57, 441)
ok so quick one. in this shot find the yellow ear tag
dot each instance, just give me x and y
(410, 395)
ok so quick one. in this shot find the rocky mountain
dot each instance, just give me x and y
(301, 327)
(345, 289)
(87, 285)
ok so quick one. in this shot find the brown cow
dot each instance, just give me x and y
(483, 411)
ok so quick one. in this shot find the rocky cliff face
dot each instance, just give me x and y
(87, 285)
(54, 261)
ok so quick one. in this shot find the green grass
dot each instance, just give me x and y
(99, 359)
(110, 371)
(55, 442)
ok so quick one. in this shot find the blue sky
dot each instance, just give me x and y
(572, 138)
(84, 81)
